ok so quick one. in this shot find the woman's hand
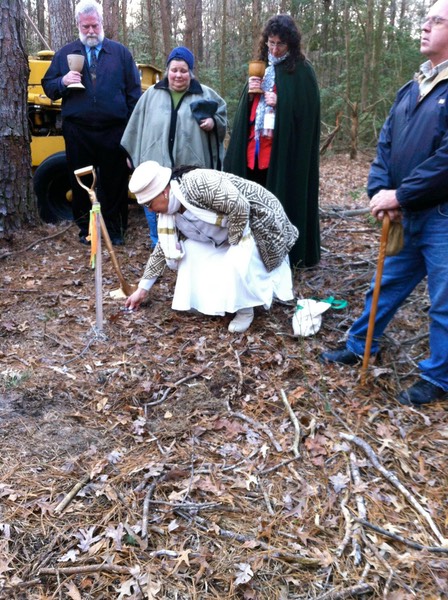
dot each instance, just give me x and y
(207, 124)
(270, 99)
(254, 84)
(136, 298)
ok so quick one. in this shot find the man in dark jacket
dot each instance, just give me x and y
(409, 181)
(95, 116)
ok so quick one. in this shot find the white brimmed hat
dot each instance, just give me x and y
(149, 180)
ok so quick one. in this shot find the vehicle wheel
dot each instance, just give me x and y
(51, 184)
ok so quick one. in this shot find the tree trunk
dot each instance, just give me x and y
(193, 28)
(354, 130)
(111, 19)
(40, 11)
(223, 58)
(189, 24)
(152, 28)
(17, 205)
(352, 107)
(124, 11)
(165, 15)
(325, 25)
(378, 52)
(366, 71)
(403, 11)
(347, 48)
(198, 43)
(60, 13)
(256, 26)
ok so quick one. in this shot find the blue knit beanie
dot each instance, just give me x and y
(181, 53)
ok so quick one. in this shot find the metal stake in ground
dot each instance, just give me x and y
(376, 295)
(95, 240)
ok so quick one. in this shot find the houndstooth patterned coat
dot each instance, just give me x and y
(241, 201)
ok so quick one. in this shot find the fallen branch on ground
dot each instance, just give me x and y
(395, 481)
(225, 533)
(72, 493)
(362, 511)
(295, 422)
(174, 385)
(44, 239)
(257, 425)
(400, 538)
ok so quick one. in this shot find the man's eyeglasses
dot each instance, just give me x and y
(433, 21)
(276, 44)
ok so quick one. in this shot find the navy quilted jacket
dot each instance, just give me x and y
(412, 153)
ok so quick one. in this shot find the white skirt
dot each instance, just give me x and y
(227, 278)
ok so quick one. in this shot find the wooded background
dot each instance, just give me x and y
(362, 50)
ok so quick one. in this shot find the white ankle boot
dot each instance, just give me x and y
(242, 320)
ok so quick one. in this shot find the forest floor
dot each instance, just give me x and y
(165, 458)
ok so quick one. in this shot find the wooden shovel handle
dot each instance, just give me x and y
(127, 288)
(376, 295)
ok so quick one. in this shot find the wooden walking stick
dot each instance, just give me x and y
(127, 288)
(376, 295)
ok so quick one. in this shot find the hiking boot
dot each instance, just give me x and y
(422, 392)
(342, 356)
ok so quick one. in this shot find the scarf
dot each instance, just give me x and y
(167, 233)
(267, 85)
(166, 224)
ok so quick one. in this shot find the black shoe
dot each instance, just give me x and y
(343, 356)
(422, 392)
(83, 240)
(117, 240)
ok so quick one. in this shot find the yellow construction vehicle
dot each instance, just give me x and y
(51, 181)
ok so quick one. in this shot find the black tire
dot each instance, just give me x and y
(51, 184)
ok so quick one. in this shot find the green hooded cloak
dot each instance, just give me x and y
(293, 174)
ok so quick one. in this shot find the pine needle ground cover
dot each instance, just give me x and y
(165, 458)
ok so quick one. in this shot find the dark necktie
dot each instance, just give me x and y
(93, 63)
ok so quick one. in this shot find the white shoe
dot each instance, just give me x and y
(242, 320)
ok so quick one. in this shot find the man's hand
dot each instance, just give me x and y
(385, 200)
(71, 77)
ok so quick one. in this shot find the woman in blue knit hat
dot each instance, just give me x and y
(177, 121)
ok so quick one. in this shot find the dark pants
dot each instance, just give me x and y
(257, 175)
(424, 254)
(100, 147)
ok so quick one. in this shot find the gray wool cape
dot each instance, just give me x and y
(171, 136)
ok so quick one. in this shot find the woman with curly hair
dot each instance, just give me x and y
(275, 135)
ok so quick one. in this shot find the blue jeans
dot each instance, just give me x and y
(151, 217)
(425, 253)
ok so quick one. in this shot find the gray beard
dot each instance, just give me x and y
(91, 40)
